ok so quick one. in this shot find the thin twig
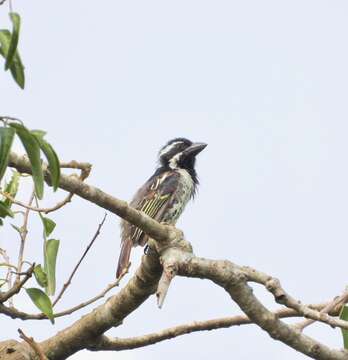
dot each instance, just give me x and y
(8, 277)
(17, 285)
(117, 344)
(282, 297)
(8, 265)
(65, 286)
(94, 299)
(17, 314)
(85, 168)
(33, 344)
(85, 171)
(337, 301)
(9, 118)
(38, 209)
(73, 164)
(23, 235)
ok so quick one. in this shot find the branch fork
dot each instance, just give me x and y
(176, 258)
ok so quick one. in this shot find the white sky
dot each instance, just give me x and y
(263, 83)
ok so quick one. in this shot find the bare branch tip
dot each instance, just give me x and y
(33, 344)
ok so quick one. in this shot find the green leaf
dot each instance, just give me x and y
(5, 40)
(33, 150)
(16, 68)
(12, 187)
(40, 276)
(6, 140)
(48, 224)
(5, 211)
(17, 228)
(51, 156)
(16, 25)
(42, 302)
(51, 250)
(39, 132)
(344, 316)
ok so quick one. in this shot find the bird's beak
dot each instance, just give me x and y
(195, 149)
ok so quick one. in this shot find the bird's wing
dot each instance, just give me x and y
(152, 198)
(151, 207)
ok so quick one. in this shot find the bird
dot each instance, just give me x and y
(164, 195)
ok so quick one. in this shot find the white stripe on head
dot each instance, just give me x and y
(173, 162)
(168, 148)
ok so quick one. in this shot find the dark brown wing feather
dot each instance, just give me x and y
(152, 198)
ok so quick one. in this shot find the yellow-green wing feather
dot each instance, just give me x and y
(151, 208)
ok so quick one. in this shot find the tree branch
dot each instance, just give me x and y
(231, 277)
(17, 286)
(234, 281)
(110, 314)
(17, 314)
(337, 302)
(116, 344)
(282, 297)
(33, 344)
(100, 198)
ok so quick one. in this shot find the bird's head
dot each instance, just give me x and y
(180, 153)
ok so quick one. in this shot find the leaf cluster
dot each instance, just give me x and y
(9, 50)
(34, 144)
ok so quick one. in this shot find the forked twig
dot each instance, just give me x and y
(17, 285)
(338, 301)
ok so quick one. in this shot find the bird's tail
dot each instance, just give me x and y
(123, 260)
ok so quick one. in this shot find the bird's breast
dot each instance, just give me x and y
(183, 193)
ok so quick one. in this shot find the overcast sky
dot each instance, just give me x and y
(264, 83)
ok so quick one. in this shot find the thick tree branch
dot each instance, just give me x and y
(177, 256)
(83, 332)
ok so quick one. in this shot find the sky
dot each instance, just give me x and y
(262, 83)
